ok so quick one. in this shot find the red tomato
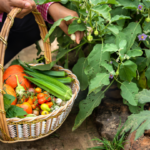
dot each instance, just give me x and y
(38, 90)
(40, 95)
(50, 104)
(47, 97)
(41, 100)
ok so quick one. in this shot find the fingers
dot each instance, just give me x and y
(79, 36)
(26, 5)
(64, 27)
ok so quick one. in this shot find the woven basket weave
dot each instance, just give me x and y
(29, 129)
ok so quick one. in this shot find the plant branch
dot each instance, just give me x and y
(109, 86)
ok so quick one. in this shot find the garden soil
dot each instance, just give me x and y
(63, 138)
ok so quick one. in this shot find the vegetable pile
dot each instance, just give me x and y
(29, 92)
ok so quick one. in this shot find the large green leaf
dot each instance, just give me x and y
(134, 53)
(102, 10)
(143, 96)
(56, 34)
(119, 38)
(15, 111)
(128, 92)
(8, 99)
(110, 48)
(113, 29)
(119, 17)
(96, 2)
(147, 3)
(76, 27)
(147, 53)
(131, 32)
(98, 81)
(87, 106)
(78, 70)
(108, 67)
(141, 63)
(121, 12)
(139, 122)
(95, 58)
(129, 4)
(146, 27)
(127, 70)
(147, 74)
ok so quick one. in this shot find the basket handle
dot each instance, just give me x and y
(3, 45)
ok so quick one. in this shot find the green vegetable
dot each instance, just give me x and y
(25, 67)
(147, 19)
(95, 32)
(51, 80)
(90, 37)
(54, 73)
(79, 21)
(46, 89)
(65, 80)
(51, 87)
(19, 89)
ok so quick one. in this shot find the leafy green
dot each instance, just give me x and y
(73, 27)
(8, 99)
(119, 17)
(87, 106)
(100, 80)
(128, 70)
(15, 111)
(128, 92)
(110, 48)
(78, 70)
(95, 58)
(139, 122)
(102, 10)
(56, 24)
(12, 110)
(143, 96)
(134, 53)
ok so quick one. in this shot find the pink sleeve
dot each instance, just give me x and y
(44, 12)
(1, 17)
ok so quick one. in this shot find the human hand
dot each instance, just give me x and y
(26, 5)
(57, 11)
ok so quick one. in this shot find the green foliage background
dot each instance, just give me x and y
(116, 50)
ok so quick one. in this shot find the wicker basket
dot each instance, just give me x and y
(29, 129)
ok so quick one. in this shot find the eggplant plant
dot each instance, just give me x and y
(117, 37)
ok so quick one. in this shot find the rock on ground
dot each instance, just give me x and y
(109, 113)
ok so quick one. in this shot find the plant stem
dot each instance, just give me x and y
(77, 46)
(109, 86)
(54, 51)
(117, 80)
